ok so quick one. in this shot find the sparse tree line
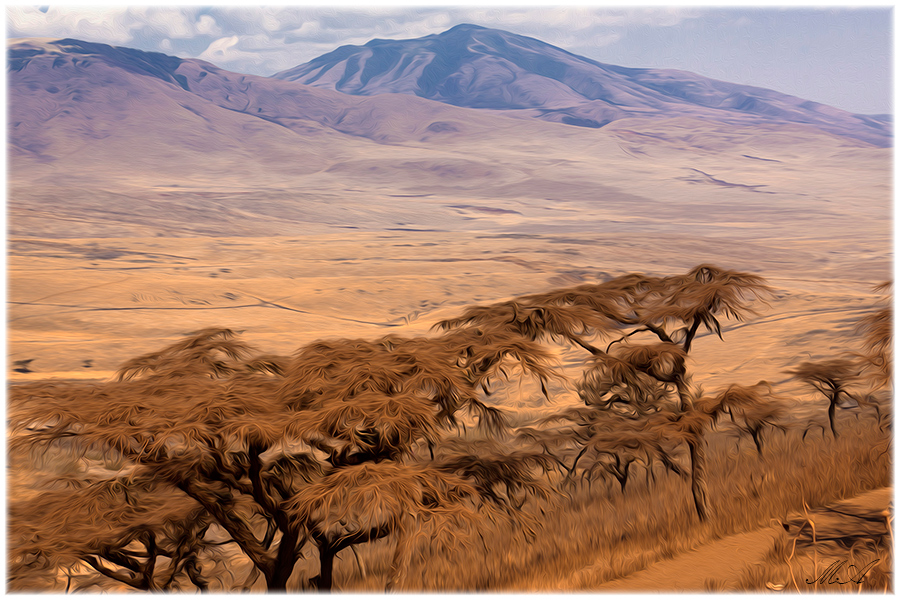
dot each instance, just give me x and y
(207, 448)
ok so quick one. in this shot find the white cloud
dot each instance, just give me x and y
(100, 24)
(173, 24)
(234, 52)
(207, 25)
(112, 25)
(263, 40)
(220, 49)
(270, 21)
(308, 29)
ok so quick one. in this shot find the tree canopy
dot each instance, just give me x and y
(266, 448)
(208, 445)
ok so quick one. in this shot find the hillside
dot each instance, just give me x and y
(83, 106)
(477, 67)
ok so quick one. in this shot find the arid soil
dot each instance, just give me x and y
(720, 565)
(79, 307)
(99, 272)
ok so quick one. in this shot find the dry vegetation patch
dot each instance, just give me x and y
(210, 466)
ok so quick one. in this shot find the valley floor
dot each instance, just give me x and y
(78, 307)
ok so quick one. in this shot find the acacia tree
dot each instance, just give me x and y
(152, 540)
(877, 331)
(330, 446)
(641, 377)
(176, 418)
(368, 403)
(832, 378)
(753, 408)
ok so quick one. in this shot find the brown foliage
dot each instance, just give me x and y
(267, 447)
(878, 333)
(649, 303)
(832, 378)
(753, 408)
(827, 376)
(638, 394)
(351, 441)
(119, 529)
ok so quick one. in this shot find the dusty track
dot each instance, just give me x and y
(719, 565)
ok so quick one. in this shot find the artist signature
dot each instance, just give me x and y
(832, 574)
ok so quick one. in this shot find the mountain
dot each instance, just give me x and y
(123, 112)
(483, 68)
(76, 108)
(112, 141)
(116, 140)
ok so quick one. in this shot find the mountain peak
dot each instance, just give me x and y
(477, 67)
(463, 27)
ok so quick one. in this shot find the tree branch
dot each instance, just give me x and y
(131, 581)
(239, 530)
(593, 350)
(121, 559)
(260, 493)
(360, 537)
(659, 331)
(149, 567)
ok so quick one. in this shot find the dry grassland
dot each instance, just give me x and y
(98, 277)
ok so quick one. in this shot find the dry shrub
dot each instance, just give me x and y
(361, 445)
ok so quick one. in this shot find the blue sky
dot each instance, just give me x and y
(834, 55)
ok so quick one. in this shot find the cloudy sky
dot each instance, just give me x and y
(833, 55)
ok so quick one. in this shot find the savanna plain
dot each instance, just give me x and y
(652, 356)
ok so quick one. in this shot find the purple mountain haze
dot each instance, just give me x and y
(105, 109)
(81, 102)
(476, 67)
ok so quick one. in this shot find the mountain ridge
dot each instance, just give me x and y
(108, 140)
(77, 108)
(86, 110)
(477, 67)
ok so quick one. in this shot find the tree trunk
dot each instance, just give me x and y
(277, 581)
(283, 565)
(684, 395)
(195, 575)
(398, 561)
(756, 433)
(689, 338)
(698, 477)
(831, 406)
(622, 474)
(326, 567)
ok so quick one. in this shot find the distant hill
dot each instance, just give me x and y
(476, 67)
(123, 142)
(81, 106)
(91, 115)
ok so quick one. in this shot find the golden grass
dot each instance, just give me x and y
(599, 534)
(369, 406)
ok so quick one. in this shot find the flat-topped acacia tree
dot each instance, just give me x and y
(834, 378)
(638, 379)
(330, 446)
(379, 411)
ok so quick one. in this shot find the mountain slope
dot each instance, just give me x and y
(477, 67)
(83, 107)
(116, 142)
